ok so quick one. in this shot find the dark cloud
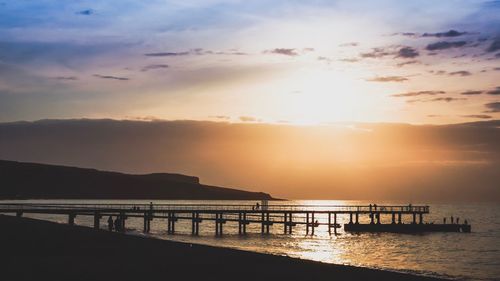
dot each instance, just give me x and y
(420, 93)
(167, 54)
(282, 51)
(388, 79)
(450, 33)
(111, 77)
(407, 52)
(447, 99)
(442, 45)
(495, 46)
(401, 64)
(350, 44)
(471, 93)
(376, 53)
(492, 107)
(494, 92)
(496, 68)
(460, 73)
(497, 55)
(66, 78)
(248, 119)
(87, 12)
(155, 66)
(478, 116)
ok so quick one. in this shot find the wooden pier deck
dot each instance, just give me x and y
(286, 216)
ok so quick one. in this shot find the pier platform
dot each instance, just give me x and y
(407, 228)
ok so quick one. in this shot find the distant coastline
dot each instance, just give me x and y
(21, 180)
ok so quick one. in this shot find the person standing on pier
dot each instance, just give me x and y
(458, 220)
(110, 223)
(452, 220)
(444, 220)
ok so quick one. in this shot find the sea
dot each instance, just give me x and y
(459, 256)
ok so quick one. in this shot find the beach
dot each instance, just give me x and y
(41, 250)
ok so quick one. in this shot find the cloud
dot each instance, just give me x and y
(442, 45)
(496, 68)
(221, 117)
(388, 79)
(111, 77)
(248, 119)
(471, 93)
(460, 73)
(282, 51)
(446, 99)
(349, 60)
(495, 46)
(66, 78)
(86, 12)
(308, 50)
(167, 54)
(420, 93)
(450, 33)
(155, 66)
(401, 64)
(494, 92)
(407, 52)
(480, 116)
(492, 107)
(349, 44)
(376, 53)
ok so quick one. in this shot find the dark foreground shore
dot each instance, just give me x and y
(40, 250)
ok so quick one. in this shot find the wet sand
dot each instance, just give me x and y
(40, 250)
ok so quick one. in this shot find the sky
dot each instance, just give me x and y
(293, 62)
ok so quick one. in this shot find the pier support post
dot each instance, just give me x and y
(414, 218)
(357, 218)
(371, 218)
(193, 223)
(240, 224)
(123, 218)
(197, 225)
(378, 218)
(97, 220)
(421, 219)
(393, 221)
(330, 223)
(285, 223)
(350, 218)
(307, 223)
(71, 219)
(313, 223)
(19, 214)
(245, 223)
(262, 223)
(399, 218)
(290, 223)
(335, 223)
(268, 223)
(173, 223)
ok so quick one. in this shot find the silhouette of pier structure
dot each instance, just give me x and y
(217, 215)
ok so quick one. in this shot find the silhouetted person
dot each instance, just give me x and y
(370, 207)
(375, 207)
(458, 219)
(316, 223)
(452, 220)
(444, 220)
(151, 206)
(118, 225)
(110, 223)
(409, 207)
(257, 206)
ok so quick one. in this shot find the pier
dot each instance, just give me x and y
(406, 218)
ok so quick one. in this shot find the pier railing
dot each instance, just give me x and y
(215, 207)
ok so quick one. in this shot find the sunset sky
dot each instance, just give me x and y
(432, 62)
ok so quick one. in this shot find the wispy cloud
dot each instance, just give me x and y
(407, 52)
(445, 45)
(248, 119)
(450, 33)
(155, 66)
(282, 51)
(477, 116)
(66, 78)
(494, 92)
(167, 54)
(388, 79)
(471, 93)
(420, 93)
(495, 46)
(492, 107)
(86, 12)
(111, 77)
(445, 99)
(460, 73)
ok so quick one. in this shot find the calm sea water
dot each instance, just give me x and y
(470, 256)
